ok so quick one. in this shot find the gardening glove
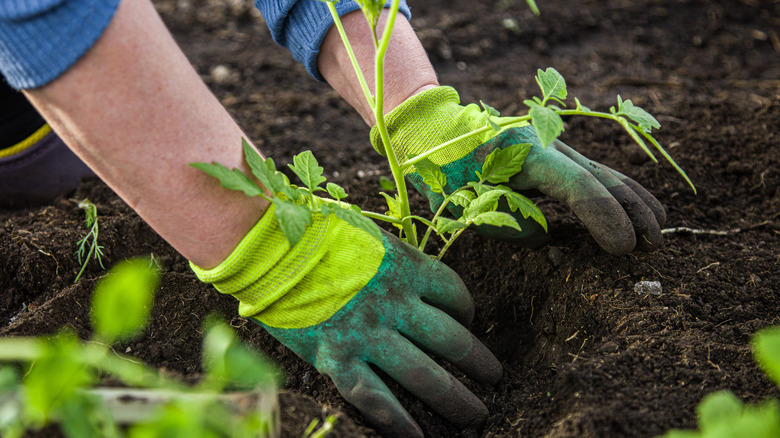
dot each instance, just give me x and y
(37, 170)
(343, 300)
(619, 213)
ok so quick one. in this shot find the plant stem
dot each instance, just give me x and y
(351, 53)
(505, 121)
(380, 217)
(377, 105)
(398, 175)
(430, 229)
(449, 242)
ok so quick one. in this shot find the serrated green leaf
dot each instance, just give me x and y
(717, 407)
(496, 219)
(527, 208)
(336, 191)
(357, 220)
(431, 175)
(485, 202)
(502, 164)
(766, 349)
(229, 362)
(393, 208)
(447, 225)
(634, 132)
(479, 188)
(489, 110)
(462, 198)
(393, 205)
(54, 377)
(123, 299)
(230, 179)
(264, 170)
(551, 83)
(548, 124)
(644, 119)
(386, 183)
(306, 167)
(293, 219)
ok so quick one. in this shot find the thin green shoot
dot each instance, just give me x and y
(88, 246)
(325, 429)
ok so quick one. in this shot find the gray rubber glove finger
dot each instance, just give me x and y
(448, 292)
(444, 337)
(571, 184)
(646, 227)
(428, 381)
(362, 388)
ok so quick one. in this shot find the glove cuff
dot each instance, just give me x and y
(428, 119)
(298, 286)
(263, 267)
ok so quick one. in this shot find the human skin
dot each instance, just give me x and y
(134, 109)
(408, 70)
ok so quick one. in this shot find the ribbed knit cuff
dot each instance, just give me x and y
(263, 267)
(301, 25)
(429, 119)
(40, 40)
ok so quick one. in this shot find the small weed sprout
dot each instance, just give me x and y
(325, 429)
(479, 200)
(88, 246)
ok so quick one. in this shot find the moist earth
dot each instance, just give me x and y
(584, 354)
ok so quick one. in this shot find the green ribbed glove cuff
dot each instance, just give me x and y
(299, 286)
(429, 119)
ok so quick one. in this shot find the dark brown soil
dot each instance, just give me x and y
(583, 354)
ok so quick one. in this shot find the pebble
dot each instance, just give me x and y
(648, 287)
(555, 256)
(221, 74)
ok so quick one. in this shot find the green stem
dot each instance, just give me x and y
(381, 217)
(449, 242)
(427, 222)
(351, 53)
(129, 370)
(504, 121)
(432, 228)
(398, 175)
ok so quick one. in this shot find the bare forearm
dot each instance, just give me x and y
(136, 112)
(408, 70)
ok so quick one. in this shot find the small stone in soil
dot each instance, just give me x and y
(648, 287)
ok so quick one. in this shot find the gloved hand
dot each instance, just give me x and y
(619, 213)
(342, 299)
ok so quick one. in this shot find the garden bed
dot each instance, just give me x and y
(584, 355)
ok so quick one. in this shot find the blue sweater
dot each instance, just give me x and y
(41, 39)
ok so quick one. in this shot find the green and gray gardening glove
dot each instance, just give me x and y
(344, 300)
(619, 213)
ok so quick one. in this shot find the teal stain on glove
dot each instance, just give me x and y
(343, 300)
(619, 213)
(411, 301)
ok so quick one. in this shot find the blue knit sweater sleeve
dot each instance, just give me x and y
(301, 25)
(41, 39)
